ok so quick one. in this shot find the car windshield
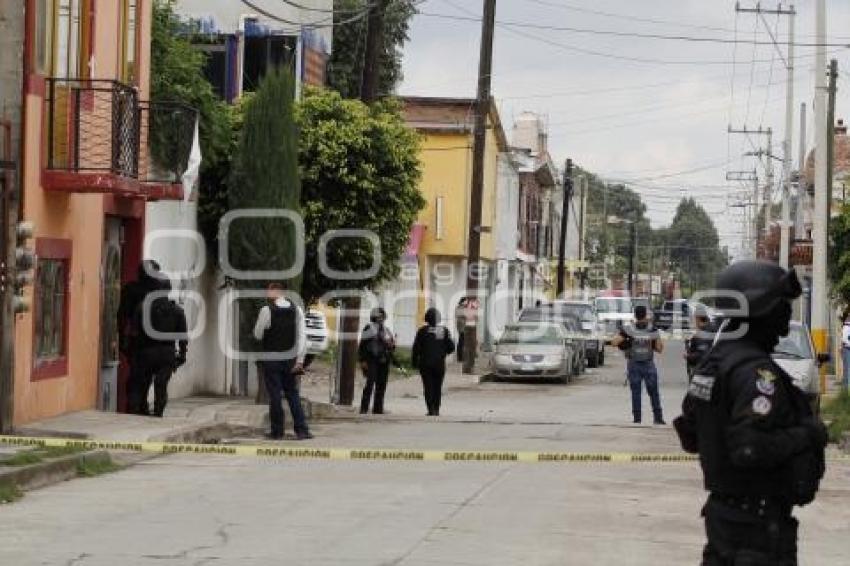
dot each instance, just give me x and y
(795, 345)
(583, 313)
(614, 305)
(548, 335)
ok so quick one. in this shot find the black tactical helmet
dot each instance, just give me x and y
(432, 317)
(764, 285)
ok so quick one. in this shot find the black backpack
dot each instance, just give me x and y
(166, 317)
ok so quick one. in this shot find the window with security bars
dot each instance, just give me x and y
(50, 307)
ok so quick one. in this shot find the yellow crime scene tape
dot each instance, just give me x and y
(316, 453)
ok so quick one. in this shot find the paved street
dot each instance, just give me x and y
(194, 510)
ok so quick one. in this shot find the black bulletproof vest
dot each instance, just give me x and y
(721, 476)
(281, 336)
(433, 346)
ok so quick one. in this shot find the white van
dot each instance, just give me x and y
(613, 312)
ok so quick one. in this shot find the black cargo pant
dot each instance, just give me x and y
(377, 375)
(742, 533)
(152, 364)
(432, 386)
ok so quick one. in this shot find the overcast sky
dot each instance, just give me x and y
(638, 108)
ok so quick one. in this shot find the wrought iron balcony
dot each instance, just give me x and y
(102, 138)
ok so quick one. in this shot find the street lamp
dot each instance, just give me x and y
(632, 245)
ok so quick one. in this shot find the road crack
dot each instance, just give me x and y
(442, 524)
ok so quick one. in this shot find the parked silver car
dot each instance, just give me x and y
(533, 350)
(796, 355)
(570, 322)
(594, 341)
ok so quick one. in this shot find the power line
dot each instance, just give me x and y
(633, 18)
(474, 18)
(323, 23)
(629, 34)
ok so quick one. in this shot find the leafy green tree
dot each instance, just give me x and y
(359, 170)
(694, 245)
(177, 75)
(605, 240)
(839, 257)
(345, 68)
(265, 177)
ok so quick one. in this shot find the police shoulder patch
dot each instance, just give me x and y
(765, 387)
(762, 405)
(766, 374)
(701, 387)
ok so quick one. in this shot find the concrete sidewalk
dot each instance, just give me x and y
(193, 419)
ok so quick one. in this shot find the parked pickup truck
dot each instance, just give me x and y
(678, 314)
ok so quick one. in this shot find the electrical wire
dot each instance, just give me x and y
(633, 18)
(324, 23)
(628, 34)
(573, 48)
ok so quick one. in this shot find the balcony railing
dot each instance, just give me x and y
(92, 126)
(101, 126)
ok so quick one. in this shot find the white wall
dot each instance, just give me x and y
(168, 241)
(507, 208)
(401, 300)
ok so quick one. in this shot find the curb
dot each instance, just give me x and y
(43, 474)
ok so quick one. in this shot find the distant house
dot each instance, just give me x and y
(436, 265)
(93, 153)
(242, 44)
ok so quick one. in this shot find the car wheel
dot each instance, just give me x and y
(593, 360)
(602, 357)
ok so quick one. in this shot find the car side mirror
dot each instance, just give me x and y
(824, 358)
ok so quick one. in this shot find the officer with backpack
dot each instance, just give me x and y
(432, 344)
(640, 342)
(375, 353)
(161, 348)
(760, 446)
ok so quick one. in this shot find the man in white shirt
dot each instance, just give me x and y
(845, 351)
(282, 333)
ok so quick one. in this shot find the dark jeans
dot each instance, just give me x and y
(744, 538)
(432, 385)
(280, 381)
(377, 375)
(644, 372)
(155, 365)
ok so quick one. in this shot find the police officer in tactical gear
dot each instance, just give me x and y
(698, 345)
(432, 344)
(760, 447)
(641, 342)
(153, 335)
(281, 331)
(375, 354)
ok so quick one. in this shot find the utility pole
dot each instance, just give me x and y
(482, 109)
(565, 215)
(372, 56)
(830, 137)
(8, 219)
(632, 250)
(350, 323)
(768, 186)
(581, 231)
(820, 292)
(754, 178)
(801, 186)
(785, 227)
(788, 60)
(768, 166)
